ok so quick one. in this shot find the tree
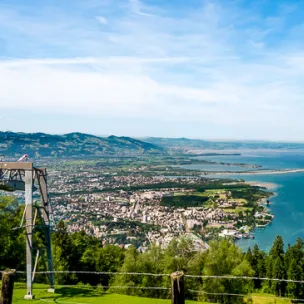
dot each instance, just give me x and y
(180, 256)
(249, 256)
(102, 259)
(129, 266)
(195, 266)
(276, 267)
(176, 257)
(224, 258)
(257, 260)
(63, 254)
(294, 262)
(12, 242)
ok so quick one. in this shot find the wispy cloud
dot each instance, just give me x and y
(93, 61)
(223, 68)
(136, 7)
(102, 20)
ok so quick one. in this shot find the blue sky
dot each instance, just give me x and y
(202, 69)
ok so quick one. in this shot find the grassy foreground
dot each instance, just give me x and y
(261, 298)
(79, 295)
(83, 295)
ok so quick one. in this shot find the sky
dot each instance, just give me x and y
(177, 68)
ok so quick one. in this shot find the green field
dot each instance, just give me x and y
(236, 210)
(184, 201)
(83, 294)
(79, 295)
(262, 298)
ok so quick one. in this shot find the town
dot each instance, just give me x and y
(137, 205)
(132, 208)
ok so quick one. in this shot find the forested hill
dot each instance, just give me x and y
(186, 143)
(73, 144)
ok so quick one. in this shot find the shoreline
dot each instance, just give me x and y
(263, 203)
(267, 185)
(259, 172)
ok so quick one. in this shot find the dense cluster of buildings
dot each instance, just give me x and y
(124, 209)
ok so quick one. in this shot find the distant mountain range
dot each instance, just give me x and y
(199, 144)
(73, 144)
(80, 145)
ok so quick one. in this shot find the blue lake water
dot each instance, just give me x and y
(268, 160)
(288, 203)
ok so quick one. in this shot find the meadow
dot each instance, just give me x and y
(86, 294)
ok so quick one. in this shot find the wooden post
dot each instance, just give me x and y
(7, 287)
(177, 285)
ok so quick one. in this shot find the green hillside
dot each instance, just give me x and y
(73, 144)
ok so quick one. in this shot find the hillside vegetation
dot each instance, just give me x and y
(72, 144)
(80, 252)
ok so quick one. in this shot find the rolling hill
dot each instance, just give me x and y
(175, 144)
(71, 145)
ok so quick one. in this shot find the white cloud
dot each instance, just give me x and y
(136, 8)
(258, 45)
(111, 90)
(207, 65)
(122, 86)
(102, 20)
(92, 60)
